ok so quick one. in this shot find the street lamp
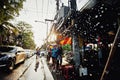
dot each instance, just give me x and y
(47, 27)
(49, 20)
(44, 23)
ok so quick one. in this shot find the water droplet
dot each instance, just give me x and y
(100, 15)
(107, 25)
(102, 4)
(102, 11)
(101, 7)
(96, 16)
(101, 26)
(4, 7)
(105, 8)
(97, 23)
(95, 29)
(115, 24)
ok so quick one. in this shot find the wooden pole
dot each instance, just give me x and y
(111, 54)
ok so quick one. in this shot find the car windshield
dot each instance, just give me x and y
(6, 49)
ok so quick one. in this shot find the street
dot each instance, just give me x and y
(59, 39)
(26, 70)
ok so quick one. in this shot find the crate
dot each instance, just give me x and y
(68, 72)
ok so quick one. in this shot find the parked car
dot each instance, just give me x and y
(29, 52)
(10, 56)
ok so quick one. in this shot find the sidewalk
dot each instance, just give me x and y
(57, 75)
(47, 73)
(64, 62)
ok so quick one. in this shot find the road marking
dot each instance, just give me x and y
(25, 70)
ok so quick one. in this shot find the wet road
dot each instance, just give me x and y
(35, 71)
(25, 71)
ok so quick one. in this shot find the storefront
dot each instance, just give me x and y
(95, 23)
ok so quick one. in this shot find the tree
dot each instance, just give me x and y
(9, 9)
(7, 33)
(26, 34)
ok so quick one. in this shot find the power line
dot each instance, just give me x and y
(42, 7)
(47, 8)
(37, 10)
(34, 11)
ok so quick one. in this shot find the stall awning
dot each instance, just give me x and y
(67, 40)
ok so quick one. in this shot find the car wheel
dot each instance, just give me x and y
(23, 60)
(12, 65)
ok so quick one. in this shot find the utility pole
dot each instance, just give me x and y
(110, 59)
(47, 29)
(57, 4)
(75, 36)
(72, 4)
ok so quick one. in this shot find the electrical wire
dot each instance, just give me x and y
(42, 7)
(34, 11)
(47, 8)
(37, 10)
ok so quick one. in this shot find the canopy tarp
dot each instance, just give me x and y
(67, 40)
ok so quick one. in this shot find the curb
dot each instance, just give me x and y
(48, 74)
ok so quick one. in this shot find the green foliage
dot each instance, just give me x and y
(8, 33)
(27, 35)
(67, 47)
(9, 9)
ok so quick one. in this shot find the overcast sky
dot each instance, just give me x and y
(38, 10)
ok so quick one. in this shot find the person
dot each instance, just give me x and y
(37, 52)
(36, 65)
(37, 58)
(54, 56)
(49, 53)
(59, 57)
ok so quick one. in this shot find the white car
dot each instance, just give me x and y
(29, 52)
